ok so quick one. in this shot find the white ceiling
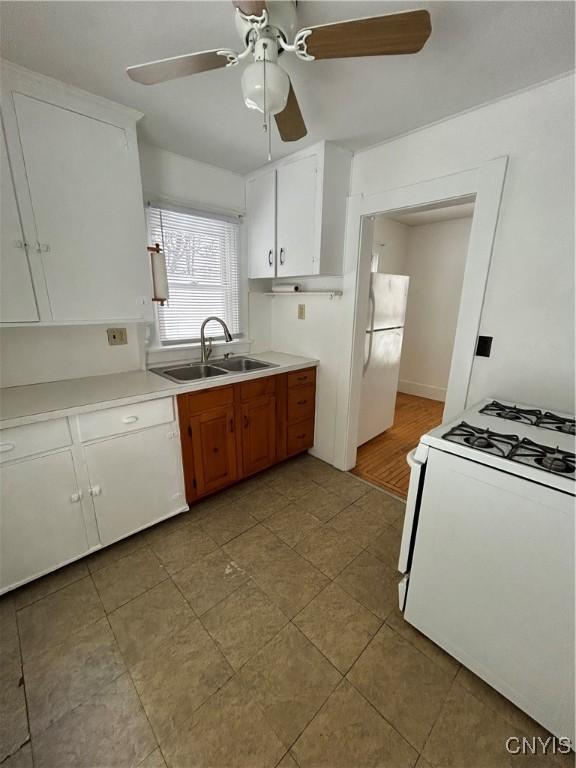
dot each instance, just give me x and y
(478, 51)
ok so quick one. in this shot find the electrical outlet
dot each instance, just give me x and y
(117, 336)
(301, 311)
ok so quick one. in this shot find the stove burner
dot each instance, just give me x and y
(552, 460)
(481, 439)
(481, 442)
(532, 416)
(554, 464)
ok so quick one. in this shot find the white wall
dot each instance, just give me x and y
(435, 261)
(34, 355)
(529, 303)
(390, 244)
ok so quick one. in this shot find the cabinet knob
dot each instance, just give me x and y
(270, 257)
(129, 419)
(76, 497)
(96, 490)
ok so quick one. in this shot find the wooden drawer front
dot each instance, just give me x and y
(29, 439)
(198, 402)
(127, 418)
(301, 402)
(257, 388)
(300, 436)
(298, 378)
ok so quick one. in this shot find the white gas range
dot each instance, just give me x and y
(487, 552)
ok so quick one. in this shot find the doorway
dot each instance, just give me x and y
(418, 260)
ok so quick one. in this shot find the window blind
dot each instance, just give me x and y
(202, 252)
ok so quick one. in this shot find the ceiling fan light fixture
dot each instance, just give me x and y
(270, 91)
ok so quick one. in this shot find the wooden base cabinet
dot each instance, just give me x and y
(229, 433)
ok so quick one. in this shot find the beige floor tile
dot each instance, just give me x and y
(290, 680)
(144, 623)
(390, 508)
(229, 731)
(109, 730)
(420, 641)
(67, 674)
(171, 525)
(13, 718)
(114, 552)
(347, 487)
(338, 626)
(183, 547)
(51, 619)
(293, 484)
(371, 583)
(288, 762)
(128, 577)
(329, 550)
(349, 732)
(243, 488)
(318, 471)
(498, 703)
(291, 581)
(154, 760)
(406, 687)
(422, 763)
(173, 682)
(471, 734)
(10, 662)
(322, 503)
(20, 759)
(244, 622)
(386, 546)
(361, 523)
(263, 502)
(209, 580)
(292, 524)
(227, 522)
(256, 548)
(40, 588)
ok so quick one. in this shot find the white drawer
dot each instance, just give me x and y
(127, 418)
(31, 439)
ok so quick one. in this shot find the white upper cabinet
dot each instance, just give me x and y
(77, 180)
(302, 200)
(17, 301)
(261, 234)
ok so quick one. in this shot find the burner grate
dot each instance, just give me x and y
(553, 460)
(531, 416)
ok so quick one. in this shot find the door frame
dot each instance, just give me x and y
(485, 185)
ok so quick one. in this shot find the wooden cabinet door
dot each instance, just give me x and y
(297, 237)
(258, 426)
(17, 300)
(86, 195)
(135, 480)
(261, 223)
(214, 449)
(41, 519)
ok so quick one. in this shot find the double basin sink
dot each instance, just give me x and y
(194, 371)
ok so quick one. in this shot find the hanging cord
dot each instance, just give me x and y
(266, 124)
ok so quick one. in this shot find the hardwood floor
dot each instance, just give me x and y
(382, 460)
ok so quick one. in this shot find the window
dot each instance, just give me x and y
(202, 252)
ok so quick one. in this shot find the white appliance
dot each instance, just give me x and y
(384, 333)
(487, 552)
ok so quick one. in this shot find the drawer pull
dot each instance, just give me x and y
(76, 497)
(301, 436)
(96, 490)
(301, 402)
(129, 419)
(6, 447)
(302, 378)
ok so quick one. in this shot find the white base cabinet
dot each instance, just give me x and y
(63, 494)
(41, 521)
(134, 480)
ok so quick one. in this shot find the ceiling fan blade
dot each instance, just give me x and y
(178, 66)
(394, 33)
(250, 7)
(290, 122)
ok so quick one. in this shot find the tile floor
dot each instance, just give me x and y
(260, 629)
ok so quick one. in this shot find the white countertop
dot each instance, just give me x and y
(40, 402)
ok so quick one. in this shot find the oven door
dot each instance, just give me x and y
(417, 462)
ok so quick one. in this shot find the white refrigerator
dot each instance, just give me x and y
(383, 347)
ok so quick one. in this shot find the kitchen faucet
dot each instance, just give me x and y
(207, 352)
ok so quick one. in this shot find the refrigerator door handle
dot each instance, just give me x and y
(370, 331)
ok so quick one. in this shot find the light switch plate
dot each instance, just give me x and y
(117, 336)
(301, 311)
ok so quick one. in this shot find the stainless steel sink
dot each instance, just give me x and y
(195, 371)
(241, 364)
(189, 372)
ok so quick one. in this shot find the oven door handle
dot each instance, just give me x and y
(416, 465)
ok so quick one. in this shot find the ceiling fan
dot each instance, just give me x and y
(266, 29)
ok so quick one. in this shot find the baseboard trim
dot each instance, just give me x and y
(422, 390)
